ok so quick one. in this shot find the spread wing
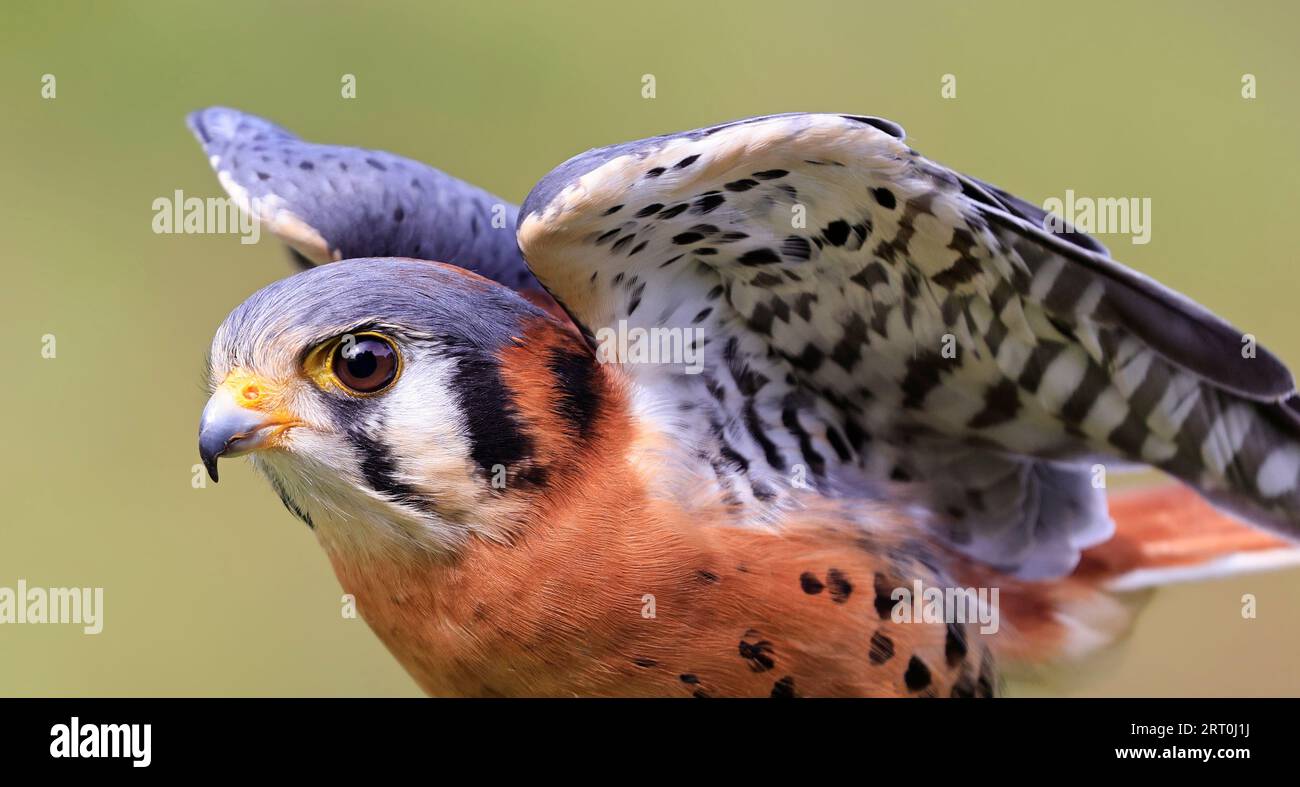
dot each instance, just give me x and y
(332, 202)
(871, 322)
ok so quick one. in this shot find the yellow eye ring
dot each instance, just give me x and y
(358, 364)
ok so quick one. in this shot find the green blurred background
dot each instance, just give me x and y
(219, 591)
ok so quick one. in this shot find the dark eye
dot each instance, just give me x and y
(365, 364)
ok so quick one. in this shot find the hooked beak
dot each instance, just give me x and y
(234, 424)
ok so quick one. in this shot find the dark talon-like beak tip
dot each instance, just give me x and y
(212, 444)
(210, 462)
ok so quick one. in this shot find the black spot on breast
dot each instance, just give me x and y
(578, 398)
(783, 689)
(810, 583)
(771, 174)
(707, 577)
(917, 676)
(840, 586)
(885, 197)
(376, 165)
(650, 209)
(687, 238)
(654, 173)
(398, 214)
(954, 645)
(689, 679)
(668, 213)
(882, 648)
(744, 184)
(306, 165)
(883, 602)
(686, 162)
(644, 662)
(612, 210)
(700, 694)
(758, 652)
(263, 176)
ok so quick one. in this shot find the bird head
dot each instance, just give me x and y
(376, 397)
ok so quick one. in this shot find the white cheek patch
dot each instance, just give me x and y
(425, 433)
(419, 426)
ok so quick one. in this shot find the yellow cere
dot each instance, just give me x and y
(249, 390)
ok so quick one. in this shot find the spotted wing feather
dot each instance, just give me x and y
(894, 328)
(331, 202)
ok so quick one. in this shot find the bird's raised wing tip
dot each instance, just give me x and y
(217, 126)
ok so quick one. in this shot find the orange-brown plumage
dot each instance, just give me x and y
(561, 609)
(606, 589)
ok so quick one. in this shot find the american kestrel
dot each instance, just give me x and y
(813, 373)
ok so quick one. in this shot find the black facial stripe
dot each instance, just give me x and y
(496, 435)
(579, 398)
(378, 464)
(379, 468)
